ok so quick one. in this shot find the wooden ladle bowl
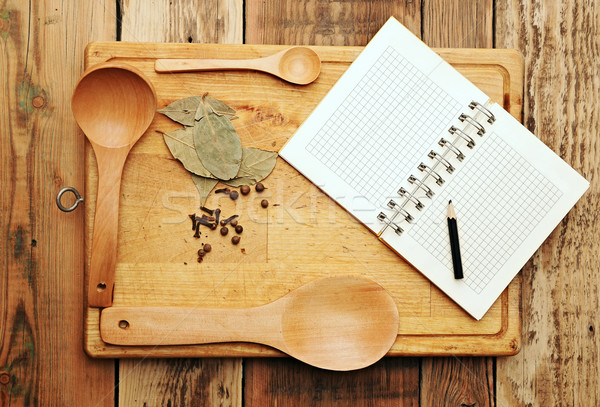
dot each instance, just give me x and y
(113, 103)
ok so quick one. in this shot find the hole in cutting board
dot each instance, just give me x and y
(123, 324)
(101, 287)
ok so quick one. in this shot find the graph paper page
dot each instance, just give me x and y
(509, 193)
(395, 100)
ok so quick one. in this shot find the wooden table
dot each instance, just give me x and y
(41, 253)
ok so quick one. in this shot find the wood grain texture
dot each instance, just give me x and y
(198, 382)
(457, 382)
(42, 361)
(456, 23)
(274, 261)
(180, 382)
(289, 383)
(559, 362)
(198, 21)
(311, 22)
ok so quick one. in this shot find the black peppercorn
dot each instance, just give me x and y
(234, 195)
(201, 253)
(264, 203)
(239, 229)
(224, 231)
(207, 248)
(235, 239)
(233, 223)
(245, 189)
(259, 187)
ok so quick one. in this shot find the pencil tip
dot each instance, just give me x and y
(449, 202)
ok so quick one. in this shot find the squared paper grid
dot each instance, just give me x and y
(375, 137)
(496, 193)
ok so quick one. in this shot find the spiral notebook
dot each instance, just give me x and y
(402, 133)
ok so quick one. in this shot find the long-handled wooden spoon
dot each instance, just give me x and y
(336, 323)
(114, 104)
(299, 65)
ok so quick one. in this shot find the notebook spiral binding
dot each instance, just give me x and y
(430, 170)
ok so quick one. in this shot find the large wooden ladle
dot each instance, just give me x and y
(299, 65)
(336, 323)
(114, 104)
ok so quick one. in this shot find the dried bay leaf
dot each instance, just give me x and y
(219, 107)
(218, 145)
(256, 165)
(186, 112)
(204, 186)
(183, 111)
(181, 145)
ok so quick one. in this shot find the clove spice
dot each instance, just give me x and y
(222, 191)
(193, 218)
(197, 234)
(205, 222)
(217, 215)
(205, 209)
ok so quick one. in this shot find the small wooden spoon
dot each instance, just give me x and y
(114, 104)
(336, 323)
(299, 65)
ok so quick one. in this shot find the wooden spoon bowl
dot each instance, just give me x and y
(113, 103)
(299, 65)
(336, 323)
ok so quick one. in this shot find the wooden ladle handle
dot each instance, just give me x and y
(106, 222)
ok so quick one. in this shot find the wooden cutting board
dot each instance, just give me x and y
(301, 236)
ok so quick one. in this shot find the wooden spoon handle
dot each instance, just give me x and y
(191, 65)
(101, 275)
(184, 326)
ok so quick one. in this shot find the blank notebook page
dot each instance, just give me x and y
(384, 117)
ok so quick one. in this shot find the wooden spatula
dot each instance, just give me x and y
(336, 323)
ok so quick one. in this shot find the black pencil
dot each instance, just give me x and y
(454, 245)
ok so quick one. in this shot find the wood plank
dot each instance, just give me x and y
(327, 23)
(458, 23)
(558, 364)
(213, 21)
(346, 22)
(41, 257)
(181, 382)
(287, 382)
(187, 381)
(457, 382)
(455, 23)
